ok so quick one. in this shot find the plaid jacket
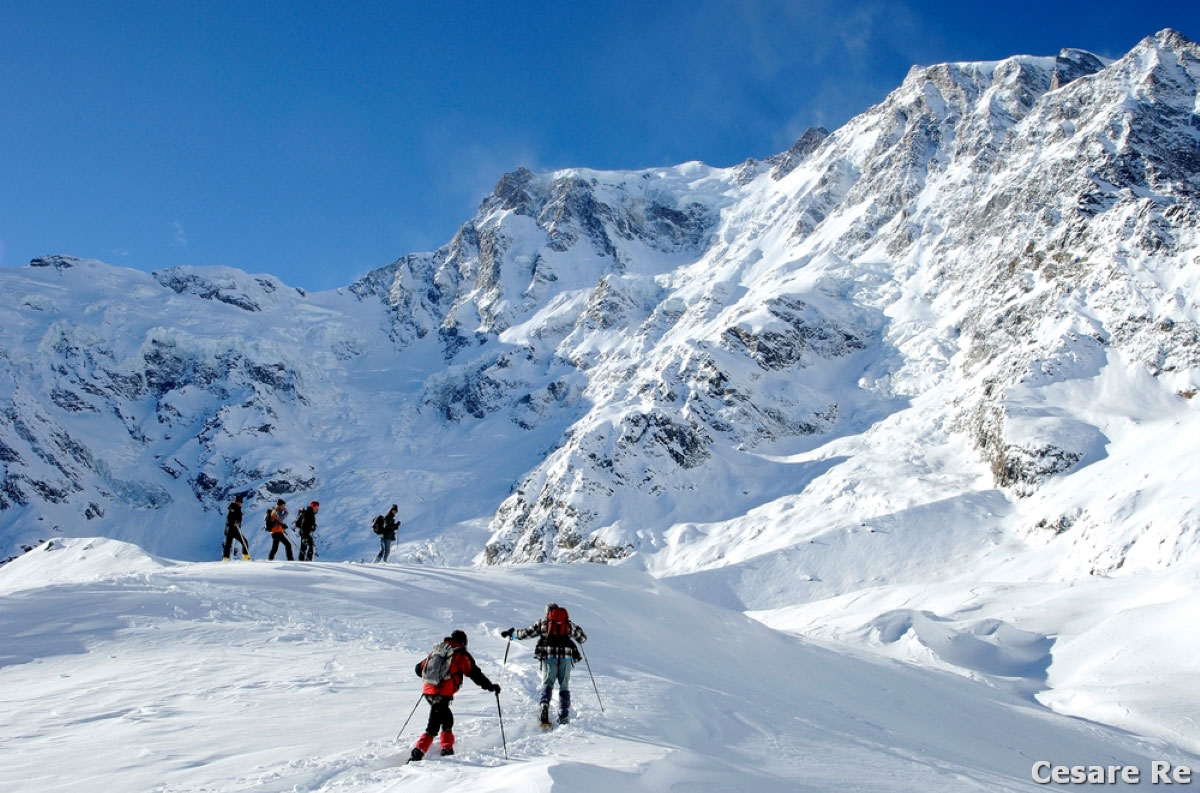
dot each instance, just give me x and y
(553, 647)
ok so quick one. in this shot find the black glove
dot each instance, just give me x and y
(495, 689)
(508, 633)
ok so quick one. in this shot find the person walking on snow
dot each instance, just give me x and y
(306, 524)
(385, 526)
(557, 651)
(443, 670)
(233, 530)
(277, 525)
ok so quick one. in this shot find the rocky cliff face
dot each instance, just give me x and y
(1038, 214)
(640, 361)
(110, 409)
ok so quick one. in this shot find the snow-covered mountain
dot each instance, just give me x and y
(989, 238)
(983, 289)
(924, 385)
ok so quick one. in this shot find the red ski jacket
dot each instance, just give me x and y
(461, 663)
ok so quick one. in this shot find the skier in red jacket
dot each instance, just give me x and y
(443, 670)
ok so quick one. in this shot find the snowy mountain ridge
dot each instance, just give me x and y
(971, 292)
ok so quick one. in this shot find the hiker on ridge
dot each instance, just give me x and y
(385, 526)
(277, 525)
(306, 524)
(233, 530)
(557, 651)
(442, 672)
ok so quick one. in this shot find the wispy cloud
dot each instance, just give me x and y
(122, 252)
(808, 61)
(472, 168)
(179, 238)
(460, 171)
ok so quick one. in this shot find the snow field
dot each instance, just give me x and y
(1108, 649)
(136, 674)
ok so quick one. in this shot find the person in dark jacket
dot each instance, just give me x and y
(452, 653)
(386, 528)
(306, 524)
(557, 650)
(277, 525)
(233, 530)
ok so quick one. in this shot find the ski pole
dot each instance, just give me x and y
(502, 665)
(593, 677)
(503, 740)
(410, 715)
(245, 545)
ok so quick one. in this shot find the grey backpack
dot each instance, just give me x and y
(437, 665)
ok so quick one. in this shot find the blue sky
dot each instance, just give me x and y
(319, 140)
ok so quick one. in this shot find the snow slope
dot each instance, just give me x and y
(132, 673)
(1115, 650)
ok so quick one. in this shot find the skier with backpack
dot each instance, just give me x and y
(557, 651)
(277, 525)
(442, 672)
(233, 530)
(306, 524)
(385, 526)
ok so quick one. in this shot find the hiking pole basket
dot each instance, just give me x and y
(410, 715)
(593, 677)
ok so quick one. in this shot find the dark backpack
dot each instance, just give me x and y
(558, 625)
(377, 524)
(270, 520)
(437, 664)
(306, 521)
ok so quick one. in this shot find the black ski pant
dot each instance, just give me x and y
(280, 538)
(307, 545)
(440, 716)
(234, 533)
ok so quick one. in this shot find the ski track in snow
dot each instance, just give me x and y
(129, 673)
